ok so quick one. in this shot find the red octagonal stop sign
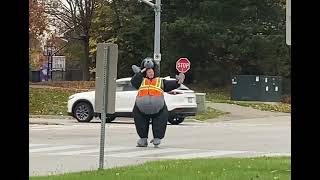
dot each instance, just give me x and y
(183, 65)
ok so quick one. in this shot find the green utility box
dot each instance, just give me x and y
(35, 76)
(256, 88)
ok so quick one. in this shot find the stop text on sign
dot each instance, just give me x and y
(183, 65)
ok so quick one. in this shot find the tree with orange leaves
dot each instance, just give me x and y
(37, 22)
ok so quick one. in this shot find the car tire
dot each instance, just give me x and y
(175, 120)
(83, 112)
(108, 119)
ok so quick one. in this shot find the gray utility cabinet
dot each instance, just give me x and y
(256, 88)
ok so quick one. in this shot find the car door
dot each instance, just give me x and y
(129, 96)
(119, 97)
(125, 96)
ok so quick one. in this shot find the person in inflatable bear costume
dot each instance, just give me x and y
(150, 103)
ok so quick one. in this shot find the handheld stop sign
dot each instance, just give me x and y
(183, 65)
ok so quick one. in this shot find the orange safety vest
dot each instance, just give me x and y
(150, 87)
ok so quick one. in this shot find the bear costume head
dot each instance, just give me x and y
(147, 63)
(150, 63)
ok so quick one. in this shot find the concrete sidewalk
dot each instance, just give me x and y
(237, 112)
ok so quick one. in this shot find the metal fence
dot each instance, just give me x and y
(69, 75)
(73, 75)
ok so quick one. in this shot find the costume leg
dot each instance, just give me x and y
(141, 122)
(159, 123)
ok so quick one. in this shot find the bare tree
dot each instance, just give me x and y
(76, 16)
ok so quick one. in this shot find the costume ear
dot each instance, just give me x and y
(142, 64)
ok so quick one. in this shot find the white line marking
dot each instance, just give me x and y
(59, 128)
(86, 151)
(35, 145)
(55, 148)
(146, 152)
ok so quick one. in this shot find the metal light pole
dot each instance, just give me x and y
(288, 22)
(157, 12)
(48, 53)
(49, 71)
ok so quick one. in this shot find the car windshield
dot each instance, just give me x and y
(126, 86)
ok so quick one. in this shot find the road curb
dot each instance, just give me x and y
(45, 123)
(50, 116)
(47, 119)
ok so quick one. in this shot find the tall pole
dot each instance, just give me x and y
(157, 54)
(48, 68)
(288, 22)
(106, 58)
(51, 67)
(157, 11)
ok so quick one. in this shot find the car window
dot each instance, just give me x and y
(183, 87)
(125, 86)
(128, 87)
(119, 87)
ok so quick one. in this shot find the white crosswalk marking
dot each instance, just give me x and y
(87, 151)
(77, 127)
(36, 145)
(134, 152)
(146, 152)
(217, 125)
(202, 154)
(51, 127)
(55, 148)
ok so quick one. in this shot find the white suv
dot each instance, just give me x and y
(181, 103)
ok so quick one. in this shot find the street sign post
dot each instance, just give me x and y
(106, 75)
(183, 65)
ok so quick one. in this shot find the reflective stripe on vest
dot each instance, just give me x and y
(152, 88)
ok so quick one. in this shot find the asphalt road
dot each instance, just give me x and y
(67, 146)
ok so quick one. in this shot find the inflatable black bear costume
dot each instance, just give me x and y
(150, 103)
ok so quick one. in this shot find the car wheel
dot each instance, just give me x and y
(83, 112)
(175, 120)
(108, 119)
